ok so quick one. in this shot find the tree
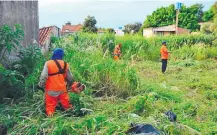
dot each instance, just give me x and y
(207, 16)
(214, 9)
(215, 26)
(132, 28)
(127, 28)
(89, 25)
(136, 27)
(110, 30)
(161, 17)
(164, 16)
(211, 14)
(197, 10)
(189, 17)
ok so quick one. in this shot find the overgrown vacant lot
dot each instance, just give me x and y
(132, 90)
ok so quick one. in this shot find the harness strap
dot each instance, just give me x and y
(61, 71)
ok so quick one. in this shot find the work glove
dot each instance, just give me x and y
(77, 87)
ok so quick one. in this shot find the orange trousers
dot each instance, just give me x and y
(51, 102)
(116, 58)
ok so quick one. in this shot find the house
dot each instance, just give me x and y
(70, 29)
(165, 30)
(100, 31)
(45, 35)
(21, 12)
(119, 32)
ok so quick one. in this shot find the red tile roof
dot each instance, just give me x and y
(71, 28)
(43, 34)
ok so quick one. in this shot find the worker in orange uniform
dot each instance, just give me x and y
(54, 78)
(117, 52)
(164, 56)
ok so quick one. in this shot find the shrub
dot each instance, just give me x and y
(9, 39)
(28, 59)
(11, 84)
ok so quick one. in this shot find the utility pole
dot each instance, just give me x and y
(177, 21)
(178, 7)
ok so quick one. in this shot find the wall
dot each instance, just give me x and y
(67, 33)
(119, 32)
(148, 32)
(166, 33)
(47, 33)
(55, 31)
(24, 13)
(46, 46)
(183, 31)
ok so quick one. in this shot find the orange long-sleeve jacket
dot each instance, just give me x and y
(55, 84)
(164, 52)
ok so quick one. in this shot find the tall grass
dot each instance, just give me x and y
(129, 90)
(138, 47)
(135, 47)
(196, 52)
(92, 64)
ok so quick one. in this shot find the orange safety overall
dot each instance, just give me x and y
(56, 84)
(117, 52)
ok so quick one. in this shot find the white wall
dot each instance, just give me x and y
(119, 32)
(148, 32)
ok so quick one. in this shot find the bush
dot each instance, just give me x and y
(28, 59)
(11, 84)
(9, 39)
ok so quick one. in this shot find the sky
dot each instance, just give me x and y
(108, 13)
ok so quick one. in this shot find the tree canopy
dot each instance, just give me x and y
(132, 28)
(110, 30)
(211, 14)
(189, 17)
(90, 25)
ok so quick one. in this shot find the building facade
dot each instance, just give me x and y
(164, 31)
(45, 36)
(24, 13)
(119, 32)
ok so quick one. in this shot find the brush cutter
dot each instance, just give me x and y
(77, 87)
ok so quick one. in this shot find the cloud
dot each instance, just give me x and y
(108, 13)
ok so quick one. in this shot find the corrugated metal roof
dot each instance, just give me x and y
(165, 28)
(43, 34)
(168, 28)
